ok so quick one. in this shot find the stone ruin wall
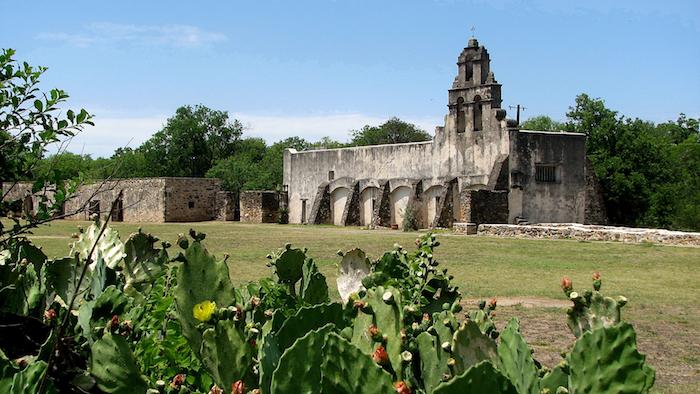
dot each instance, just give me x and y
(484, 206)
(260, 206)
(142, 201)
(191, 199)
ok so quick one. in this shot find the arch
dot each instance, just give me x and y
(478, 109)
(461, 116)
(369, 200)
(432, 203)
(399, 199)
(345, 182)
(401, 182)
(339, 198)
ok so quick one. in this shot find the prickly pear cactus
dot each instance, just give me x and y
(114, 368)
(227, 355)
(200, 278)
(433, 361)
(288, 264)
(606, 360)
(480, 378)
(591, 309)
(470, 346)
(516, 360)
(556, 378)
(143, 262)
(109, 247)
(354, 267)
(29, 379)
(306, 319)
(313, 288)
(324, 362)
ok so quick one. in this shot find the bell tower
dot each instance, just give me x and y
(475, 98)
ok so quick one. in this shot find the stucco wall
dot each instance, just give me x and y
(562, 201)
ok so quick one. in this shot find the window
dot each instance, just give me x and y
(477, 113)
(331, 175)
(93, 207)
(545, 173)
(461, 119)
(285, 188)
(303, 211)
(190, 204)
(470, 71)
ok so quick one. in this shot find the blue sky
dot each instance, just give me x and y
(317, 68)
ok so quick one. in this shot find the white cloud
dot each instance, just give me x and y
(159, 35)
(112, 133)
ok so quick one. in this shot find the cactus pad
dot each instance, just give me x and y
(479, 379)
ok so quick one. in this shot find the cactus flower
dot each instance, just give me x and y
(238, 387)
(178, 381)
(204, 310)
(49, 314)
(380, 356)
(402, 388)
(215, 390)
(566, 285)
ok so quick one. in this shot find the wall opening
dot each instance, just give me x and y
(28, 206)
(545, 173)
(118, 211)
(190, 204)
(93, 208)
(331, 175)
(461, 117)
(469, 71)
(303, 211)
(477, 114)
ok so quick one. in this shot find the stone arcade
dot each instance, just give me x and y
(479, 168)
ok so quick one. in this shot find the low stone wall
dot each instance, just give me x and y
(260, 206)
(590, 233)
(484, 206)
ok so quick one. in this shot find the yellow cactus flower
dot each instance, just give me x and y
(204, 310)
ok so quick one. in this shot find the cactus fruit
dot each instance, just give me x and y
(470, 346)
(200, 278)
(354, 267)
(516, 360)
(226, 354)
(606, 360)
(480, 378)
(114, 368)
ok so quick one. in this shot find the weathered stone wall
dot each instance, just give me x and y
(142, 201)
(460, 149)
(484, 206)
(595, 204)
(25, 203)
(191, 199)
(260, 206)
(227, 206)
(591, 233)
(561, 201)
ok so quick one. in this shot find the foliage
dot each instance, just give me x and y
(649, 173)
(542, 123)
(410, 219)
(393, 131)
(30, 121)
(184, 326)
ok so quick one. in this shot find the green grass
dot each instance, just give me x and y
(661, 282)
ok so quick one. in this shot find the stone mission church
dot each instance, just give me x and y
(479, 168)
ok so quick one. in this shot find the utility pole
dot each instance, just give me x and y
(518, 107)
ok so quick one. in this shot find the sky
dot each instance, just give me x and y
(323, 68)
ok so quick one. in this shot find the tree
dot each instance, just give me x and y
(30, 121)
(244, 170)
(191, 142)
(326, 143)
(542, 123)
(393, 131)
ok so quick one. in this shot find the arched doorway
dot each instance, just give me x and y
(399, 201)
(28, 206)
(339, 198)
(369, 200)
(431, 198)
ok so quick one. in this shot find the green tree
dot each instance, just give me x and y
(30, 122)
(326, 143)
(542, 123)
(191, 142)
(65, 165)
(245, 169)
(393, 131)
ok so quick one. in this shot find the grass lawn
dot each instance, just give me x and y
(662, 283)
